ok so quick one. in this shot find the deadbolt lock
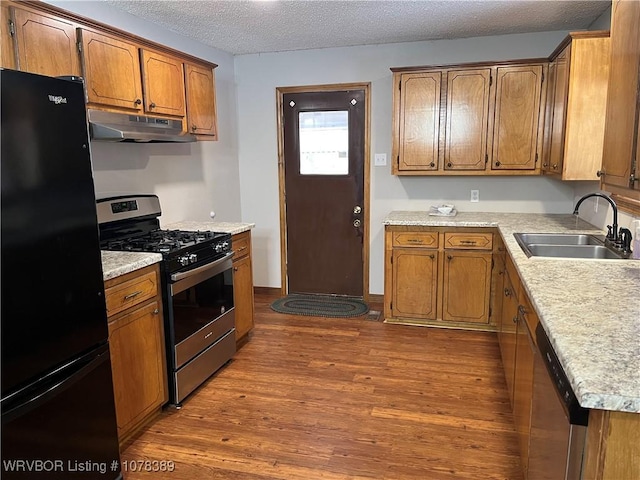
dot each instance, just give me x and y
(357, 222)
(357, 209)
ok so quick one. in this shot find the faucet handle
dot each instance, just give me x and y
(610, 232)
(625, 240)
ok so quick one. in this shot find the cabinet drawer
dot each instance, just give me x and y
(241, 245)
(474, 241)
(127, 294)
(415, 239)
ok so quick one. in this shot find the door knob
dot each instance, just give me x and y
(357, 209)
(357, 222)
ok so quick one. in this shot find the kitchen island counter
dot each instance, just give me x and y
(589, 308)
(115, 264)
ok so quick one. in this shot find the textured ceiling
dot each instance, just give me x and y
(241, 27)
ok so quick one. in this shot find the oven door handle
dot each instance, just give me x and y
(204, 268)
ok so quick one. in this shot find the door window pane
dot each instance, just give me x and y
(324, 143)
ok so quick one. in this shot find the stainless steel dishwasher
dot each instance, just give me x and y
(558, 422)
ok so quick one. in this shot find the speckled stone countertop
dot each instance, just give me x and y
(224, 227)
(590, 309)
(115, 264)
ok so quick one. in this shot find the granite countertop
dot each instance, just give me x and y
(225, 227)
(115, 264)
(590, 309)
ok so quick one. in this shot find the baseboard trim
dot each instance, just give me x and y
(266, 291)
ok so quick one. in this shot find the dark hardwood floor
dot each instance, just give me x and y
(321, 398)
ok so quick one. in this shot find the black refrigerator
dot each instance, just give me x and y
(57, 404)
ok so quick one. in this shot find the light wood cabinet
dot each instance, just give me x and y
(620, 160)
(242, 284)
(44, 44)
(163, 84)
(439, 276)
(111, 69)
(137, 347)
(576, 104)
(468, 120)
(467, 117)
(7, 32)
(507, 330)
(201, 101)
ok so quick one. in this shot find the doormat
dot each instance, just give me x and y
(320, 306)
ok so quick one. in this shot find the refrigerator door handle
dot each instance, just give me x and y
(15, 406)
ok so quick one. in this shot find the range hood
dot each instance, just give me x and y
(124, 127)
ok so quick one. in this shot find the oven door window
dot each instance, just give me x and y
(201, 304)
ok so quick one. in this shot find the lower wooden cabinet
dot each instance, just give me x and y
(137, 346)
(440, 276)
(508, 325)
(242, 283)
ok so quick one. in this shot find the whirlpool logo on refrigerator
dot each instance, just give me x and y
(57, 99)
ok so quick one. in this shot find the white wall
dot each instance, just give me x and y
(257, 77)
(191, 179)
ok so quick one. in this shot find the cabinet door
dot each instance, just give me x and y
(7, 26)
(111, 68)
(523, 387)
(419, 121)
(561, 91)
(548, 118)
(467, 119)
(163, 82)
(415, 283)
(46, 45)
(621, 124)
(507, 333)
(517, 115)
(467, 286)
(201, 100)
(136, 342)
(243, 296)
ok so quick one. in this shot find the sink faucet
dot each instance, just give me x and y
(612, 234)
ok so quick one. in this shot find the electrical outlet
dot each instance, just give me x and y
(475, 195)
(380, 160)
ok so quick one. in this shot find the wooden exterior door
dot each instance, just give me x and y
(419, 121)
(517, 114)
(324, 162)
(46, 45)
(467, 119)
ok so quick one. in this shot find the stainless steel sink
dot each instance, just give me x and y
(569, 245)
(573, 251)
(559, 238)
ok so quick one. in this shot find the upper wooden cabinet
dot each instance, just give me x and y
(44, 44)
(201, 100)
(163, 84)
(122, 72)
(111, 69)
(576, 104)
(621, 153)
(468, 120)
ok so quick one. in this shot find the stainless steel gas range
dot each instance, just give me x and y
(197, 281)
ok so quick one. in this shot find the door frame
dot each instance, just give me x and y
(334, 87)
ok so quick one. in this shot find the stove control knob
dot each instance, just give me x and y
(193, 258)
(184, 261)
(225, 245)
(218, 247)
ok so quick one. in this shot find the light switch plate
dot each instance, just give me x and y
(380, 160)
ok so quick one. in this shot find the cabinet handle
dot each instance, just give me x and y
(414, 240)
(498, 164)
(235, 269)
(507, 292)
(515, 319)
(449, 257)
(554, 166)
(432, 256)
(600, 173)
(132, 295)
(193, 128)
(153, 105)
(240, 249)
(545, 164)
(156, 311)
(137, 102)
(468, 242)
(432, 164)
(449, 164)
